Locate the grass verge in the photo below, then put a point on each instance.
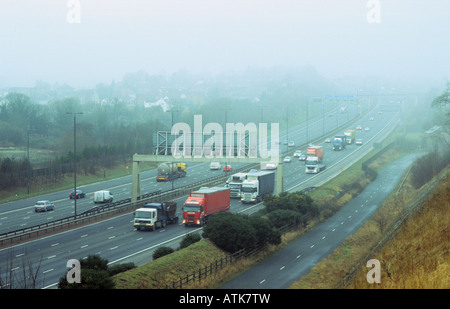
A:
(414, 250)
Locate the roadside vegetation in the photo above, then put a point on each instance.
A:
(419, 256)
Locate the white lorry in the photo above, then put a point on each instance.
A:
(257, 186)
(235, 184)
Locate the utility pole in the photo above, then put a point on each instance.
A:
(75, 158)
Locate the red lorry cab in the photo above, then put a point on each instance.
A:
(203, 203)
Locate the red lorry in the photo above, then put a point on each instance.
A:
(205, 202)
(316, 151)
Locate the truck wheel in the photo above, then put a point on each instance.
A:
(164, 223)
(154, 227)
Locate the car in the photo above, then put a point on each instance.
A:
(359, 141)
(291, 144)
(371, 118)
(78, 194)
(302, 157)
(215, 166)
(297, 153)
(287, 159)
(367, 129)
(227, 168)
(328, 140)
(44, 206)
(271, 166)
(359, 127)
(380, 112)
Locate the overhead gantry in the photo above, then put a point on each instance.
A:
(138, 158)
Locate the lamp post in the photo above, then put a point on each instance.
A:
(75, 158)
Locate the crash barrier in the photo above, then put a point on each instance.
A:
(110, 208)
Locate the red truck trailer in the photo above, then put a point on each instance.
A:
(205, 202)
(316, 151)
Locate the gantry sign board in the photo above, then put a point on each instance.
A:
(210, 142)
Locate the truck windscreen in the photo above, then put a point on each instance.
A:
(143, 214)
(248, 189)
(190, 207)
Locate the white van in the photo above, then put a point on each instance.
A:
(103, 197)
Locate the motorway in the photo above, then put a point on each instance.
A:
(116, 240)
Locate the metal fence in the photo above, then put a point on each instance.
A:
(203, 272)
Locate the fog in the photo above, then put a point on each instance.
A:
(86, 42)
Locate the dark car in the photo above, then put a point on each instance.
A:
(78, 194)
(302, 157)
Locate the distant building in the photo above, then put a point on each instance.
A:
(161, 102)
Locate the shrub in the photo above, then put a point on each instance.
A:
(296, 201)
(281, 217)
(190, 239)
(118, 268)
(94, 274)
(162, 251)
(230, 232)
(265, 231)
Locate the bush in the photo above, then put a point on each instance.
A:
(162, 251)
(296, 201)
(233, 232)
(119, 268)
(94, 274)
(265, 231)
(282, 217)
(189, 239)
(230, 232)
(428, 166)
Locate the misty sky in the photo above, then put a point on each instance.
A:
(39, 39)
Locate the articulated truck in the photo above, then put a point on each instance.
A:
(257, 186)
(205, 202)
(235, 184)
(351, 134)
(155, 215)
(169, 171)
(339, 142)
(313, 163)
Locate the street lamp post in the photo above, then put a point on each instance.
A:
(75, 158)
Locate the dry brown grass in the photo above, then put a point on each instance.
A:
(418, 258)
